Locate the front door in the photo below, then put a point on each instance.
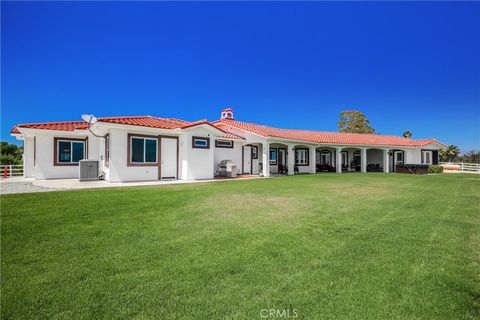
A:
(168, 162)
(427, 157)
(397, 158)
(247, 159)
(282, 159)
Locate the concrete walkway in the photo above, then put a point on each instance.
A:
(23, 185)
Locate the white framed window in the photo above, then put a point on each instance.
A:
(427, 157)
(273, 156)
(254, 152)
(69, 152)
(143, 150)
(223, 144)
(398, 157)
(301, 157)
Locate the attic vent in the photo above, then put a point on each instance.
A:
(227, 114)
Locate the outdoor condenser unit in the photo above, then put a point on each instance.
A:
(88, 170)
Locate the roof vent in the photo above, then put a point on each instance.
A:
(227, 114)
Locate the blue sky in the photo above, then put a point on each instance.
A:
(408, 66)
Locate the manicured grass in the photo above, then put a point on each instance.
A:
(323, 246)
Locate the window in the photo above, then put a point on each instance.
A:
(254, 152)
(143, 150)
(223, 144)
(398, 157)
(200, 143)
(273, 156)
(301, 157)
(69, 151)
(325, 157)
(426, 157)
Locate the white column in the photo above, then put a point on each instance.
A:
(386, 161)
(266, 159)
(291, 159)
(338, 160)
(312, 160)
(363, 160)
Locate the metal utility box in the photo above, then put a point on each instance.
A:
(228, 169)
(88, 170)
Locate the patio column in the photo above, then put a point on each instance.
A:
(386, 161)
(312, 159)
(338, 160)
(266, 159)
(291, 159)
(363, 159)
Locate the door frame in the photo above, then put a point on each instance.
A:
(422, 156)
(160, 155)
(243, 158)
(285, 158)
(394, 162)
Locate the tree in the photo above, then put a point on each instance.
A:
(449, 154)
(354, 121)
(407, 134)
(10, 153)
(472, 156)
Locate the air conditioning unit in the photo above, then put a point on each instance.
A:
(88, 170)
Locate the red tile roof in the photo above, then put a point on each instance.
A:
(196, 123)
(323, 137)
(61, 125)
(204, 122)
(14, 130)
(229, 135)
(265, 131)
(144, 121)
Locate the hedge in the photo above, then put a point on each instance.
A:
(435, 169)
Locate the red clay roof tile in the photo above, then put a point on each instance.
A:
(323, 137)
(144, 121)
(265, 131)
(60, 125)
(14, 130)
(229, 135)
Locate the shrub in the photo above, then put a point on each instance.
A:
(435, 169)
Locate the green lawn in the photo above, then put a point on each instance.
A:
(321, 246)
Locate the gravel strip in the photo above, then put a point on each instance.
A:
(23, 187)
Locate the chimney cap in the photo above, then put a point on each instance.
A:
(227, 113)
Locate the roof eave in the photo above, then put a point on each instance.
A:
(205, 125)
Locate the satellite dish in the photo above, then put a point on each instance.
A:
(90, 118)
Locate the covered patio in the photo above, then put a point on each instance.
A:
(289, 158)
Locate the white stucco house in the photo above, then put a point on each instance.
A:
(142, 148)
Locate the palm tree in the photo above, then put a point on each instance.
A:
(407, 134)
(450, 153)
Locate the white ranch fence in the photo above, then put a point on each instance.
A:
(11, 170)
(460, 167)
